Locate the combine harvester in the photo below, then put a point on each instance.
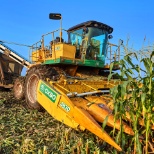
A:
(69, 79)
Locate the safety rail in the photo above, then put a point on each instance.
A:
(114, 54)
(42, 45)
(35, 46)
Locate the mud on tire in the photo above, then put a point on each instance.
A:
(18, 88)
(32, 79)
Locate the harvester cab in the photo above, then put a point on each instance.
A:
(91, 39)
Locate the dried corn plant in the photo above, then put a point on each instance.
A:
(25, 131)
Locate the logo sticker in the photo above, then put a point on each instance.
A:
(57, 48)
(48, 92)
(65, 107)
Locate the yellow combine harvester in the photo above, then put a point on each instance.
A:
(69, 79)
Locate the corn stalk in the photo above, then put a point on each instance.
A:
(134, 100)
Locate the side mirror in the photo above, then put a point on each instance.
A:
(110, 36)
(55, 16)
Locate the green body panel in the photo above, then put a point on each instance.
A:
(86, 62)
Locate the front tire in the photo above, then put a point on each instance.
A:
(31, 83)
(33, 76)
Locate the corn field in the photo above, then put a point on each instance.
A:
(25, 131)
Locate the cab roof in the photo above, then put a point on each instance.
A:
(92, 23)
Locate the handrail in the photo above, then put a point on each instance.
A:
(116, 54)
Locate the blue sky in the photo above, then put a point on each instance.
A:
(25, 21)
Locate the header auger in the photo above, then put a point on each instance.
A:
(69, 79)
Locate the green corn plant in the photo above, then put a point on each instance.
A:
(134, 101)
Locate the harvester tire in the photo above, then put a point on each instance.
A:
(18, 88)
(33, 76)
